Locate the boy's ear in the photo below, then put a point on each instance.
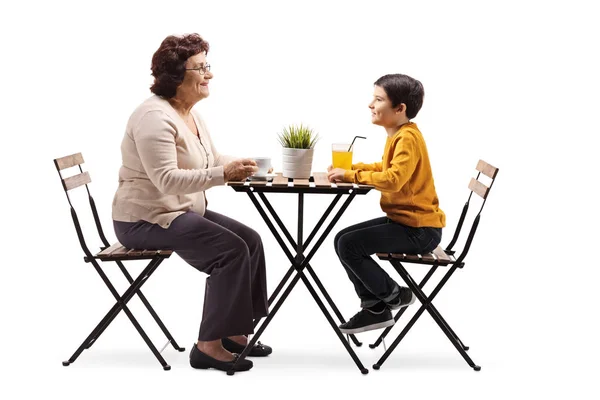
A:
(401, 108)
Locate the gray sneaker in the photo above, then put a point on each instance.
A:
(365, 320)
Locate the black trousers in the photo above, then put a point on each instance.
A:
(230, 252)
(355, 245)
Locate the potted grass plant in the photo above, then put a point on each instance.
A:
(297, 142)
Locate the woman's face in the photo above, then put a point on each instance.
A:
(196, 78)
(382, 112)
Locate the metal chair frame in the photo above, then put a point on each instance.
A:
(438, 258)
(118, 254)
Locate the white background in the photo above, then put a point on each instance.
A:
(512, 82)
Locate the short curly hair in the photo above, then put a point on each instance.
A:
(168, 62)
(403, 89)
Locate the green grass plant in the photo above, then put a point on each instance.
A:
(298, 137)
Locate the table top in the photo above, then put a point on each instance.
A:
(317, 183)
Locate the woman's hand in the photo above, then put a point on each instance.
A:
(238, 170)
(335, 174)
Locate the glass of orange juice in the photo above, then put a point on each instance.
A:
(341, 157)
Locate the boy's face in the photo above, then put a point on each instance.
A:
(382, 112)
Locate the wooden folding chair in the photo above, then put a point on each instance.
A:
(438, 258)
(118, 254)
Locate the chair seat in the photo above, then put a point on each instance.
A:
(437, 256)
(119, 252)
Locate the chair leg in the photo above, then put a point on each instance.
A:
(156, 353)
(111, 315)
(93, 335)
(452, 336)
(427, 305)
(401, 311)
(395, 343)
(114, 311)
(150, 309)
(466, 348)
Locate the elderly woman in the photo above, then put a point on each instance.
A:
(169, 161)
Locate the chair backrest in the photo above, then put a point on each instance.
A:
(482, 190)
(73, 182)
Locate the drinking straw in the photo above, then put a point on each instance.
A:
(349, 148)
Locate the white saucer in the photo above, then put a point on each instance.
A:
(261, 177)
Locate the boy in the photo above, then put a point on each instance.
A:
(413, 222)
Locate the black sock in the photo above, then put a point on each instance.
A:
(377, 308)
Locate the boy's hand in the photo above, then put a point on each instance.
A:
(329, 168)
(336, 175)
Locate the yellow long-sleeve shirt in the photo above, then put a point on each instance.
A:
(405, 180)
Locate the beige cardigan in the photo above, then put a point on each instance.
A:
(166, 169)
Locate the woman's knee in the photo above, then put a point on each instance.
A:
(254, 239)
(237, 247)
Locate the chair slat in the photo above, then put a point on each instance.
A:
(151, 252)
(321, 179)
(479, 188)
(109, 250)
(412, 257)
(487, 169)
(120, 252)
(399, 256)
(76, 180)
(134, 253)
(437, 255)
(429, 257)
(68, 161)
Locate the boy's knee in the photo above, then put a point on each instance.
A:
(336, 241)
(346, 246)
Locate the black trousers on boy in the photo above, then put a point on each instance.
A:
(355, 245)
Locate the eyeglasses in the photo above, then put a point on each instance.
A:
(201, 69)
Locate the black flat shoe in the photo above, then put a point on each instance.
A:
(259, 349)
(201, 360)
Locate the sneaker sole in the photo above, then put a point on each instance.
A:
(412, 300)
(379, 325)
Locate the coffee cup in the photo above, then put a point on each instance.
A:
(263, 164)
